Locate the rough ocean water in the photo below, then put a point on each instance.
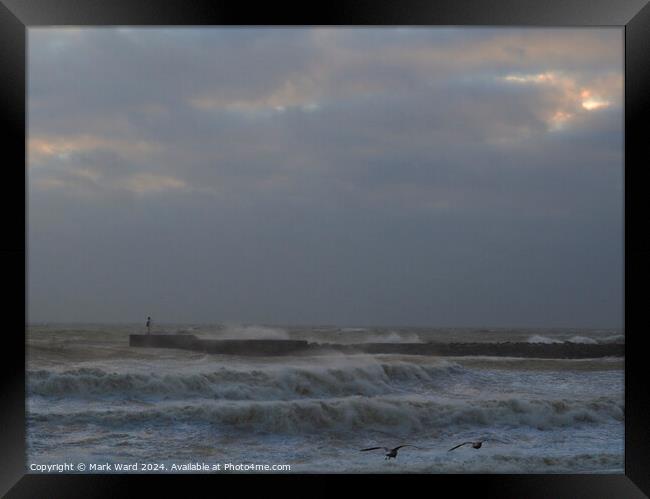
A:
(91, 398)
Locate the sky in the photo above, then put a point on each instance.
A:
(442, 177)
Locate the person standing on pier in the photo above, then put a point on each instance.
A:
(148, 325)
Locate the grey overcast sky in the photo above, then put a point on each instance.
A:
(394, 176)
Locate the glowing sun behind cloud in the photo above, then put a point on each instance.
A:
(591, 103)
(574, 97)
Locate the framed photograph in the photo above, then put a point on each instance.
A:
(384, 241)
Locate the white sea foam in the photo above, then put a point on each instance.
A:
(586, 340)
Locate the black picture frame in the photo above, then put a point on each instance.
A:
(632, 15)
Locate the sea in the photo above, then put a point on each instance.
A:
(93, 399)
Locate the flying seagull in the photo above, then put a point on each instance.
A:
(389, 452)
(475, 445)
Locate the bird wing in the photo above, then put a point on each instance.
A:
(374, 448)
(406, 445)
(459, 445)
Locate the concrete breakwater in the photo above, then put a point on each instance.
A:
(564, 350)
(233, 347)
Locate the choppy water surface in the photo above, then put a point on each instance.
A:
(93, 398)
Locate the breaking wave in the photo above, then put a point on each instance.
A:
(235, 384)
(618, 338)
(405, 414)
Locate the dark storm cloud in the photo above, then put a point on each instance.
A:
(375, 176)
